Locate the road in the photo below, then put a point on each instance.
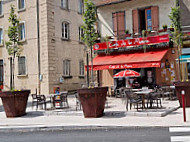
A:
(130, 134)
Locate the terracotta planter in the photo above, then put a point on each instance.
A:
(186, 87)
(93, 101)
(15, 102)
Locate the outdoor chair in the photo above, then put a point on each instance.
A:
(78, 103)
(41, 100)
(132, 99)
(61, 99)
(34, 99)
(168, 92)
(154, 98)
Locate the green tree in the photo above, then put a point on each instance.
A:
(89, 36)
(13, 46)
(177, 36)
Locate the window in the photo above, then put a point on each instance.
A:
(1, 72)
(65, 30)
(119, 23)
(81, 34)
(22, 31)
(66, 68)
(1, 36)
(145, 19)
(21, 4)
(81, 68)
(81, 6)
(1, 8)
(64, 4)
(21, 65)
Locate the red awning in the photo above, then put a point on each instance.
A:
(126, 61)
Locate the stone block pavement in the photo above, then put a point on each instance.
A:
(115, 116)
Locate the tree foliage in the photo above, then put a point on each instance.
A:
(89, 18)
(175, 20)
(13, 46)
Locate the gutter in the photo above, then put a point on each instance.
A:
(111, 3)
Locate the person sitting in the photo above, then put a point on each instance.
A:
(135, 84)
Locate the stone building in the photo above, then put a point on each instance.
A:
(53, 54)
(146, 47)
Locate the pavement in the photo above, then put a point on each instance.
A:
(169, 115)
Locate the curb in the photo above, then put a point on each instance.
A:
(43, 128)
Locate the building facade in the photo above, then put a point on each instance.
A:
(140, 42)
(53, 54)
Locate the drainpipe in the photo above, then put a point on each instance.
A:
(38, 46)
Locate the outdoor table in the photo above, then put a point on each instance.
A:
(143, 93)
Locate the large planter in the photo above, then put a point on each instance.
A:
(186, 87)
(93, 101)
(15, 102)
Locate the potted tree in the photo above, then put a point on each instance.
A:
(14, 101)
(177, 38)
(92, 98)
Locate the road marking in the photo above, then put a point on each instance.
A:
(179, 129)
(180, 138)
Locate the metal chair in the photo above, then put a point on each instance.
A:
(41, 100)
(78, 103)
(132, 99)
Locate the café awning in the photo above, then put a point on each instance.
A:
(127, 61)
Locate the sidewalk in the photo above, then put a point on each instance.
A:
(115, 116)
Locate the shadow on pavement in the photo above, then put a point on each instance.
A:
(114, 114)
(32, 114)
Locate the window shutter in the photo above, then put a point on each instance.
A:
(114, 18)
(155, 18)
(135, 21)
(121, 23)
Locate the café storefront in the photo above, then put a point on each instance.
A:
(154, 57)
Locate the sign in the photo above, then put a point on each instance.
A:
(132, 42)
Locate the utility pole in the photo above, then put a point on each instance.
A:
(38, 46)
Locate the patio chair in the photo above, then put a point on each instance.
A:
(132, 99)
(154, 98)
(41, 100)
(34, 99)
(78, 103)
(60, 100)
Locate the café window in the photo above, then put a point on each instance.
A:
(81, 34)
(145, 19)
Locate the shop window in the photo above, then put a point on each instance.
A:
(145, 19)
(119, 23)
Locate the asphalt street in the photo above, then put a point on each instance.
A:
(130, 134)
